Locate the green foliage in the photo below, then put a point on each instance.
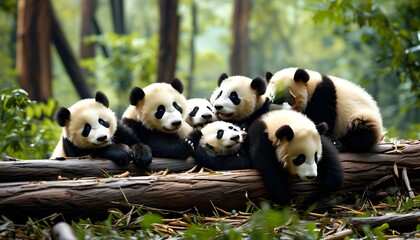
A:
(389, 30)
(28, 131)
(132, 62)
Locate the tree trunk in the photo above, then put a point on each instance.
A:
(239, 55)
(168, 40)
(43, 170)
(33, 48)
(87, 50)
(117, 8)
(192, 48)
(368, 173)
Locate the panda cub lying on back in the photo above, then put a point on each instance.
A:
(219, 146)
(286, 143)
(91, 128)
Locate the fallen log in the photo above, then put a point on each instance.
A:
(364, 173)
(47, 169)
(32, 170)
(92, 197)
(395, 221)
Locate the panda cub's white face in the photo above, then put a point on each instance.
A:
(234, 100)
(91, 125)
(222, 137)
(199, 112)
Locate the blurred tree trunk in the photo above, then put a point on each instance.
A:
(88, 14)
(168, 40)
(33, 60)
(239, 56)
(69, 60)
(192, 48)
(117, 8)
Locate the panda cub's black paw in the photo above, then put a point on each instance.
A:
(142, 154)
(190, 144)
(118, 153)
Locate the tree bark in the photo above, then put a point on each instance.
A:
(117, 7)
(168, 40)
(87, 50)
(33, 48)
(44, 170)
(239, 55)
(396, 221)
(365, 173)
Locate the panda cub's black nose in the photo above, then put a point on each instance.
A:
(206, 116)
(101, 139)
(176, 123)
(311, 177)
(235, 138)
(218, 107)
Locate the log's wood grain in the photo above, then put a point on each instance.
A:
(34, 170)
(92, 197)
(365, 174)
(395, 221)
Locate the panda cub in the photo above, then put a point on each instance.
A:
(199, 112)
(352, 115)
(240, 100)
(156, 115)
(285, 143)
(91, 128)
(219, 146)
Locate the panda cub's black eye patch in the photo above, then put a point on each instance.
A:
(177, 107)
(299, 160)
(234, 98)
(193, 112)
(220, 94)
(160, 111)
(86, 130)
(220, 134)
(103, 123)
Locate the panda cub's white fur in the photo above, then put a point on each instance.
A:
(199, 112)
(222, 137)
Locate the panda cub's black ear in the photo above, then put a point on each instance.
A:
(136, 95)
(101, 98)
(322, 128)
(63, 115)
(301, 75)
(285, 131)
(268, 76)
(222, 77)
(259, 85)
(177, 84)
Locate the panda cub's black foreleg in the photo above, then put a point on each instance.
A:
(169, 146)
(330, 167)
(141, 153)
(118, 153)
(264, 160)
